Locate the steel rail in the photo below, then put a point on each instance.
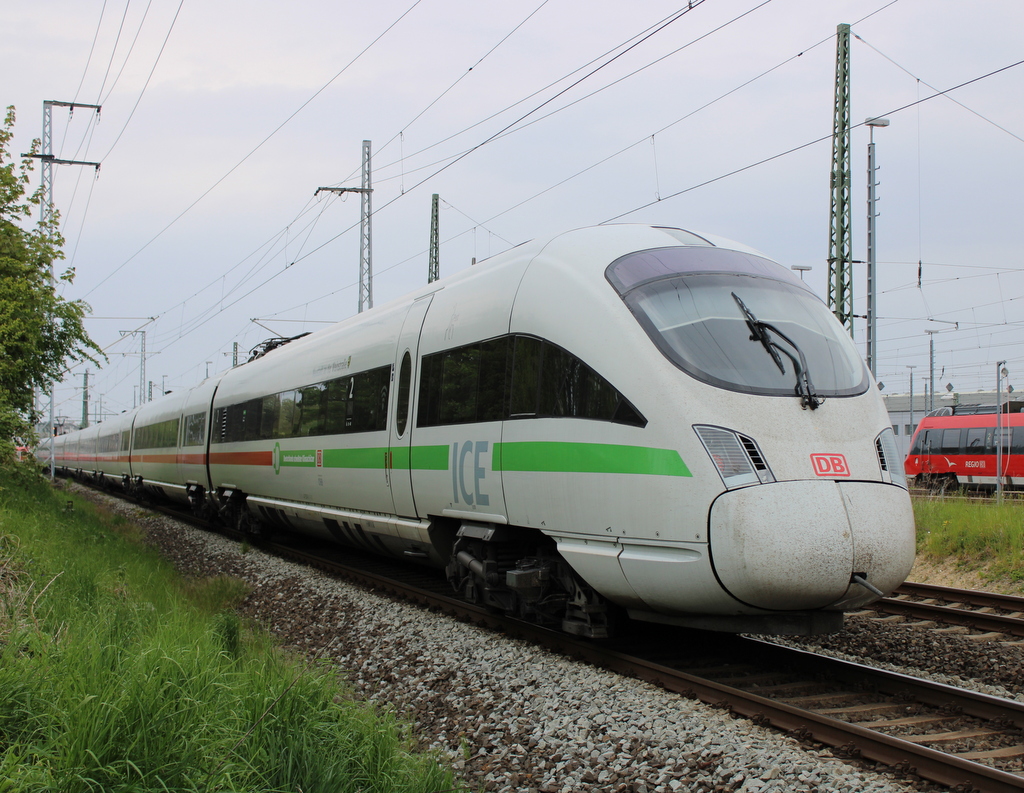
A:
(1009, 624)
(996, 623)
(973, 597)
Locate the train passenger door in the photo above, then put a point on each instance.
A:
(400, 436)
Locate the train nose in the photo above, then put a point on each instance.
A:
(796, 545)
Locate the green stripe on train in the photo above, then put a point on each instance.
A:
(596, 458)
(430, 458)
(538, 456)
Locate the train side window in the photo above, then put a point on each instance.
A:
(385, 375)
(950, 442)
(559, 383)
(1017, 446)
(250, 420)
(251, 412)
(269, 414)
(335, 397)
(975, 440)
(570, 388)
(163, 434)
(287, 413)
(404, 383)
(233, 424)
(368, 400)
(194, 431)
(460, 379)
(923, 442)
(515, 377)
(525, 376)
(310, 410)
(465, 384)
(495, 363)
(430, 390)
(218, 432)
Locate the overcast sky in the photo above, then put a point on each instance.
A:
(528, 117)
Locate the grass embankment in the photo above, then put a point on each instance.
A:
(974, 536)
(116, 676)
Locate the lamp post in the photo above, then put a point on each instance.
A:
(911, 367)
(931, 368)
(800, 268)
(872, 334)
(1001, 372)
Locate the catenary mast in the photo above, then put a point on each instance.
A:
(840, 275)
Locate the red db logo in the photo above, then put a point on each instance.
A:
(830, 465)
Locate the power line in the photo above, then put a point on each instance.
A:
(146, 84)
(252, 151)
(465, 74)
(518, 102)
(92, 47)
(673, 18)
(706, 182)
(632, 42)
(932, 87)
(131, 49)
(113, 51)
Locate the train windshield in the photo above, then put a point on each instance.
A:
(739, 322)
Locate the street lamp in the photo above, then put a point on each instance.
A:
(872, 332)
(931, 368)
(911, 367)
(800, 268)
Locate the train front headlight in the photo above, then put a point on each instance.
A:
(889, 460)
(736, 457)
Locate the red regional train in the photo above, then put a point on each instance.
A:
(956, 447)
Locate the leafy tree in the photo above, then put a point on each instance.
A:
(41, 333)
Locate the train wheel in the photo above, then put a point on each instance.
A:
(252, 526)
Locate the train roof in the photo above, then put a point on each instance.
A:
(612, 241)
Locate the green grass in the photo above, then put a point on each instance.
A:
(973, 534)
(117, 676)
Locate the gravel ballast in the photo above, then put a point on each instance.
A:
(507, 715)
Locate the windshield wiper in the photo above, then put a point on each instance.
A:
(761, 331)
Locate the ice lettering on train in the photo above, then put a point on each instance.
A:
(461, 453)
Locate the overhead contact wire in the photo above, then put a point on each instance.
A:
(674, 18)
(254, 150)
(810, 143)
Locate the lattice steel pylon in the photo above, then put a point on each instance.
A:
(840, 258)
(46, 210)
(366, 236)
(365, 230)
(434, 257)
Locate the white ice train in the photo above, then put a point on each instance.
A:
(619, 418)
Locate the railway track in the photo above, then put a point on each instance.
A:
(990, 615)
(953, 737)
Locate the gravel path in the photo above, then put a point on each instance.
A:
(509, 716)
